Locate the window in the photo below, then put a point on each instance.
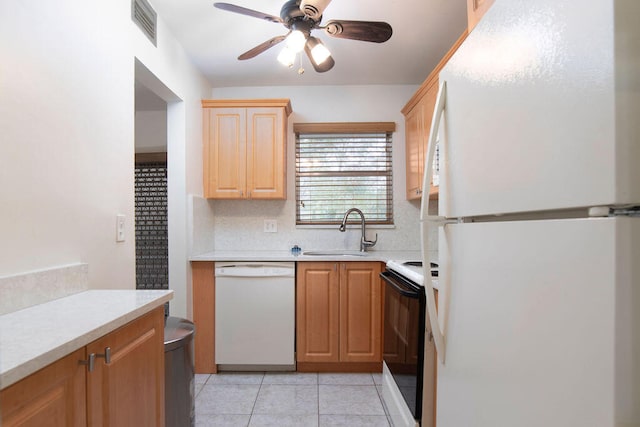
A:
(341, 166)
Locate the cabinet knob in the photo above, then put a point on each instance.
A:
(90, 362)
(418, 191)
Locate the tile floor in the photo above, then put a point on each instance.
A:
(289, 399)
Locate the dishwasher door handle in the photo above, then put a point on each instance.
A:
(255, 270)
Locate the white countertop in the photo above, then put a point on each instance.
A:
(34, 337)
(382, 256)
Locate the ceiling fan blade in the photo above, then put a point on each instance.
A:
(368, 31)
(262, 47)
(314, 8)
(249, 12)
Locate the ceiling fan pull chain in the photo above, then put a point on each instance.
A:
(301, 69)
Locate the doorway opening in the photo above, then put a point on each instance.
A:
(160, 121)
(151, 197)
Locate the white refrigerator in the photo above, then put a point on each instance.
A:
(538, 125)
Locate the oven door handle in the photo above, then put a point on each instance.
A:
(401, 290)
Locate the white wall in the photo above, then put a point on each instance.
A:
(66, 115)
(238, 225)
(67, 138)
(151, 131)
(176, 80)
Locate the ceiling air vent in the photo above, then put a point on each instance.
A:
(145, 17)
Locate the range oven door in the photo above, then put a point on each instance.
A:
(404, 334)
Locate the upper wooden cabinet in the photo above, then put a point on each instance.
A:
(418, 113)
(417, 126)
(339, 313)
(475, 10)
(245, 148)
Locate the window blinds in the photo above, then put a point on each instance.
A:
(338, 171)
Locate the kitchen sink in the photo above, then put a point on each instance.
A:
(335, 253)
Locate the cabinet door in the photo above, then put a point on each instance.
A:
(418, 115)
(266, 153)
(414, 129)
(225, 146)
(317, 313)
(204, 315)
(360, 312)
(129, 390)
(54, 396)
(417, 127)
(429, 106)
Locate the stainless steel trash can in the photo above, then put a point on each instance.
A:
(179, 384)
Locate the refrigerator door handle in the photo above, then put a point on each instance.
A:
(439, 221)
(427, 221)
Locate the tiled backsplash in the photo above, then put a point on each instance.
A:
(237, 225)
(36, 287)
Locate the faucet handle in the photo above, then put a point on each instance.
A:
(369, 243)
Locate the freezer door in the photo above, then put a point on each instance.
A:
(543, 100)
(541, 321)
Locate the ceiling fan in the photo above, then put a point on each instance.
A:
(300, 17)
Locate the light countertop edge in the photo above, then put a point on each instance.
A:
(287, 256)
(37, 336)
(250, 256)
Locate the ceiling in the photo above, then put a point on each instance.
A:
(423, 31)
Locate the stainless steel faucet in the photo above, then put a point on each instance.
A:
(364, 243)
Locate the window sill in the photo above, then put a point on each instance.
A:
(349, 226)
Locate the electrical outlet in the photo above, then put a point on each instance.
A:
(270, 226)
(120, 228)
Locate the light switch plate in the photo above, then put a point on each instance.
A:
(270, 226)
(120, 221)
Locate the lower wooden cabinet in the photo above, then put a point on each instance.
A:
(339, 316)
(129, 390)
(204, 316)
(53, 396)
(126, 391)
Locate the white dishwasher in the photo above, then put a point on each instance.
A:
(255, 316)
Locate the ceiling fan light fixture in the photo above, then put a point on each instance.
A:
(287, 57)
(301, 17)
(319, 55)
(296, 41)
(319, 51)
